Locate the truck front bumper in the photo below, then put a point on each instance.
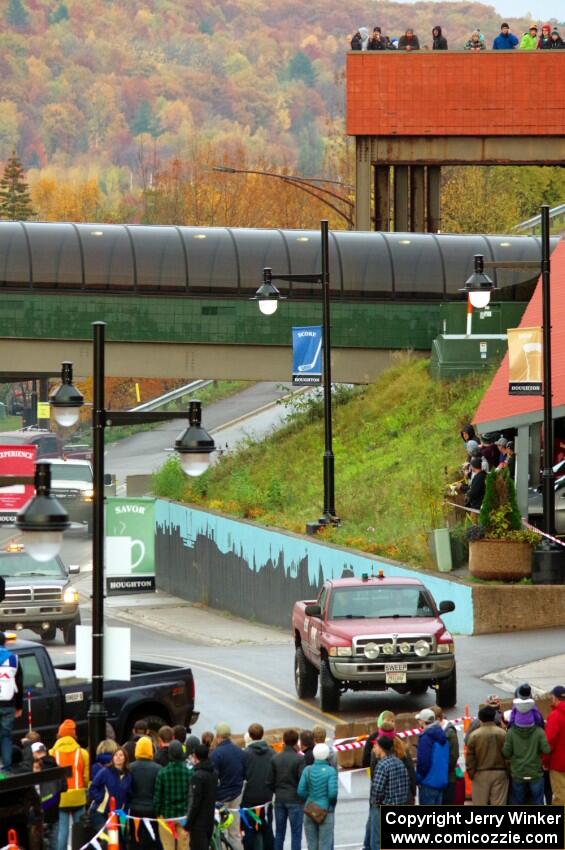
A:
(32, 616)
(431, 668)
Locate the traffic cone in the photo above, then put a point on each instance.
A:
(12, 840)
(113, 827)
(466, 724)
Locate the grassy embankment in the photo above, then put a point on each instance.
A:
(396, 442)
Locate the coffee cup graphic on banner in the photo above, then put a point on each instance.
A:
(123, 555)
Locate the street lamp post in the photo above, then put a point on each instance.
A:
(549, 557)
(194, 446)
(310, 185)
(268, 297)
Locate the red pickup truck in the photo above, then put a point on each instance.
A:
(371, 634)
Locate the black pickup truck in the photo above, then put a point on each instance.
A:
(156, 691)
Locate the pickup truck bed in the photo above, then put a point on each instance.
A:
(160, 691)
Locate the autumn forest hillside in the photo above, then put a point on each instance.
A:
(105, 94)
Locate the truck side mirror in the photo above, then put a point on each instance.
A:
(108, 479)
(74, 569)
(313, 611)
(446, 606)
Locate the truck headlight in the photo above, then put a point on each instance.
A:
(70, 595)
(87, 496)
(422, 648)
(341, 651)
(371, 650)
(404, 647)
(445, 648)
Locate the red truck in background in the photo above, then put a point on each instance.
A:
(370, 634)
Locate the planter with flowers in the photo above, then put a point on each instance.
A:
(500, 548)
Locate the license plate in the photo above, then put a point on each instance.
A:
(395, 678)
(395, 674)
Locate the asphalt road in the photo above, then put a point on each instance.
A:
(242, 683)
(144, 453)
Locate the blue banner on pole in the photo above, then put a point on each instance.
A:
(307, 355)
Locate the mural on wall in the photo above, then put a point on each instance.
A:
(258, 573)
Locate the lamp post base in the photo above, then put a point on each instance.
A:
(327, 519)
(548, 565)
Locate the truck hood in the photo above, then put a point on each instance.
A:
(349, 629)
(36, 581)
(58, 484)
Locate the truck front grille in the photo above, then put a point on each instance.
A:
(19, 595)
(394, 641)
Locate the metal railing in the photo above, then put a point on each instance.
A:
(532, 225)
(173, 395)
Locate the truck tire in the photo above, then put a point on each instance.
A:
(329, 689)
(447, 691)
(50, 634)
(305, 676)
(70, 631)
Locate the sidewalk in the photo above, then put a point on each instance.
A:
(542, 675)
(175, 617)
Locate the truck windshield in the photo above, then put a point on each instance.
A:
(22, 565)
(350, 603)
(71, 472)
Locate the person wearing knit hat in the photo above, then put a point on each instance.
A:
(525, 744)
(144, 772)
(505, 40)
(544, 42)
(556, 42)
(529, 40)
(523, 705)
(67, 752)
(171, 795)
(318, 788)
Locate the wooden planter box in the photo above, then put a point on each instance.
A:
(500, 560)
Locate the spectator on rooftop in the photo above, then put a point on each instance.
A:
(505, 40)
(360, 40)
(378, 41)
(439, 40)
(545, 39)
(474, 43)
(529, 40)
(557, 42)
(408, 41)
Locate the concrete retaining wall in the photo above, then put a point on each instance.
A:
(518, 607)
(259, 573)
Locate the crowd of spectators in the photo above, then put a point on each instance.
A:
(545, 38)
(175, 788)
(484, 453)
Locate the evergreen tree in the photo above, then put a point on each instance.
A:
(300, 68)
(16, 14)
(15, 200)
(61, 13)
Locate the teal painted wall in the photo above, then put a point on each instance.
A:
(259, 572)
(212, 320)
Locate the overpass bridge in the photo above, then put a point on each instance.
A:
(176, 299)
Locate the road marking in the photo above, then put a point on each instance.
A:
(275, 690)
(256, 686)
